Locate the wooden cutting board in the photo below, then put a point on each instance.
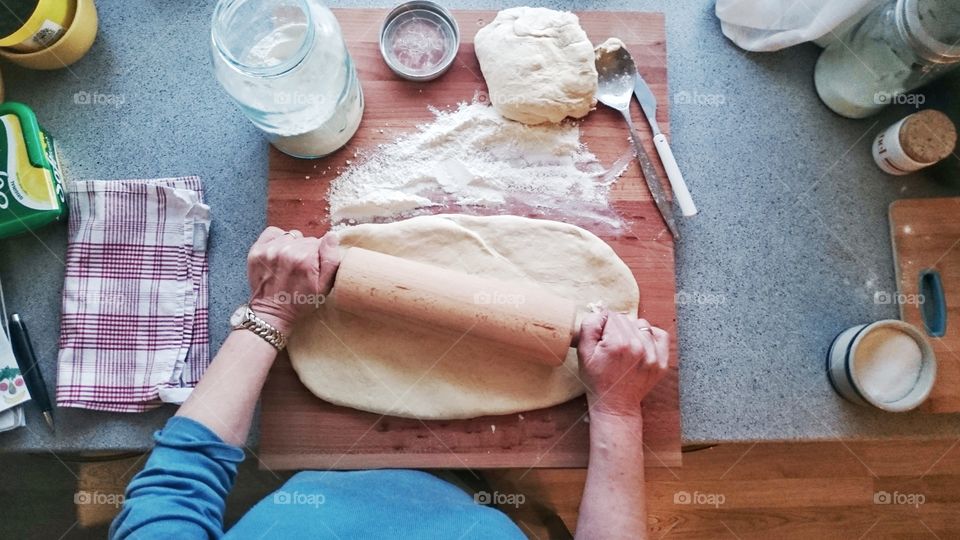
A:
(926, 236)
(298, 430)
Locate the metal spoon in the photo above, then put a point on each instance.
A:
(617, 75)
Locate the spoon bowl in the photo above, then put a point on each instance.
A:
(616, 75)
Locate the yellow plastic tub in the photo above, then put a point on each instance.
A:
(41, 28)
(75, 41)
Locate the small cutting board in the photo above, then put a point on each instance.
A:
(926, 240)
(299, 430)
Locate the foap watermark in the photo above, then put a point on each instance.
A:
(501, 99)
(500, 499)
(896, 98)
(905, 499)
(699, 498)
(300, 299)
(886, 298)
(693, 298)
(100, 498)
(96, 98)
(298, 98)
(696, 98)
(498, 298)
(295, 497)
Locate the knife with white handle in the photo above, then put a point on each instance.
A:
(648, 102)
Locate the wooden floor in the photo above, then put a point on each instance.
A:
(781, 491)
(796, 490)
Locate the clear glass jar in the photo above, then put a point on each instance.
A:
(284, 62)
(899, 46)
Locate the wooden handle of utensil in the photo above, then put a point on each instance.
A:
(536, 323)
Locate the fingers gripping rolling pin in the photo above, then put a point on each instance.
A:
(539, 325)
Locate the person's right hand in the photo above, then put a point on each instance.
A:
(621, 359)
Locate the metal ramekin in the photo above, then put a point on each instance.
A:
(437, 14)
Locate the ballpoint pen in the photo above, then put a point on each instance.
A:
(27, 360)
(16, 330)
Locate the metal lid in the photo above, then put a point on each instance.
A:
(419, 40)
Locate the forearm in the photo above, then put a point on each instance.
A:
(226, 396)
(181, 490)
(614, 501)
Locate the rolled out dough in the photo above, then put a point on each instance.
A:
(405, 371)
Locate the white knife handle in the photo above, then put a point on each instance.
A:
(680, 191)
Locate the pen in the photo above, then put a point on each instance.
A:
(27, 360)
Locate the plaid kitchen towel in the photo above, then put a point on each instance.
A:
(133, 331)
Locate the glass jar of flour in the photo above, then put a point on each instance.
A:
(901, 45)
(285, 64)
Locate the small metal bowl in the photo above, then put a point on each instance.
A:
(419, 40)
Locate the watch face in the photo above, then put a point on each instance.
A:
(238, 316)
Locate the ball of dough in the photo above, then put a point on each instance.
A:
(538, 64)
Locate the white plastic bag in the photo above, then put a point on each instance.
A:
(771, 25)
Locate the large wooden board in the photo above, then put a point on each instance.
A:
(926, 236)
(298, 430)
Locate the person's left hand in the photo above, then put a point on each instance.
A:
(290, 275)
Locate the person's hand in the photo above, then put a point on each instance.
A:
(621, 359)
(290, 275)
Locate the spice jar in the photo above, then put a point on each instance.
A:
(917, 141)
(901, 45)
(285, 64)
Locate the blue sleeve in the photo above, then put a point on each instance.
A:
(181, 491)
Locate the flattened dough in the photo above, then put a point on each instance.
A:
(400, 371)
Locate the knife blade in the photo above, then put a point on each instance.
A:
(648, 103)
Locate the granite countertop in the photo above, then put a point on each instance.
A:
(789, 248)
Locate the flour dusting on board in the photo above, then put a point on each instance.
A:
(472, 160)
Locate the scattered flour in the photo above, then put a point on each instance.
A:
(472, 160)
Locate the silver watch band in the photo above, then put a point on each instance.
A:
(263, 329)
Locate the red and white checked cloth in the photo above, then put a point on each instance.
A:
(134, 330)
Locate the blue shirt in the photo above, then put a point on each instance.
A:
(180, 494)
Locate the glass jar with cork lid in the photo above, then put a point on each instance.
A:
(915, 142)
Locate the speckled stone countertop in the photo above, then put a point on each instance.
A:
(789, 248)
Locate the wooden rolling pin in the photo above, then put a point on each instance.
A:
(539, 325)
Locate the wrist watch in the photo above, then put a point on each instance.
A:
(245, 319)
